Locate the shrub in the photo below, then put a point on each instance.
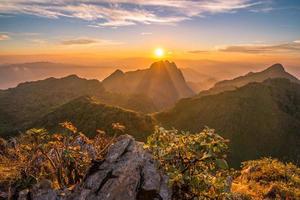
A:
(62, 158)
(195, 163)
(268, 178)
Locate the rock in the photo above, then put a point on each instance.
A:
(127, 172)
(24, 194)
(41, 191)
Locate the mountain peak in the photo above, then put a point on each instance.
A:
(162, 64)
(163, 83)
(118, 72)
(72, 76)
(276, 67)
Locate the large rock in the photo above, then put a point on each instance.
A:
(127, 172)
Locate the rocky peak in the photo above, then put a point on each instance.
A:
(163, 64)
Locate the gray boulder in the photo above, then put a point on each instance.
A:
(127, 172)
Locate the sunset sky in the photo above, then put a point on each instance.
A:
(91, 31)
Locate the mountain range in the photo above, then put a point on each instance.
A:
(30, 101)
(259, 112)
(260, 119)
(13, 74)
(161, 86)
(274, 71)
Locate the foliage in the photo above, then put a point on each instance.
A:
(195, 163)
(62, 158)
(268, 179)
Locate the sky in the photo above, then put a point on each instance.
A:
(258, 32)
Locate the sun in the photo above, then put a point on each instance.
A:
(159, 52)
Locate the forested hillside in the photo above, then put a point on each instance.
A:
(260, 119)
(90, 116)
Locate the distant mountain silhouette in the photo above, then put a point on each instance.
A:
(275, 71)
(202, 85)
(29, 101)
(13, 74)
(89, 115)
(260, 119)
(163, 82)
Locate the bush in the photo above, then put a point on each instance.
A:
(268, 179)
(195, 163)
(62, 158)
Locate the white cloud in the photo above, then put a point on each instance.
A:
(126, 12)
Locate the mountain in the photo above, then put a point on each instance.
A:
(13, 74)
(274, 71)
(163, 82)
(203, 85)
(259, 119)
(30, 101)
(89, 115)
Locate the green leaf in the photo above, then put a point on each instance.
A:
(221, 163)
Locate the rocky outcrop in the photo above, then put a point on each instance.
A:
(127, 172)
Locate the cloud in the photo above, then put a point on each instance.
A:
(78, 41)
(264, 48)
(146, 33)
(114, 13)
(88, 41)
(198, 51)
(4, 37)
(256, 48)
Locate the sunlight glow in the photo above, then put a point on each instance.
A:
(159, 52)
